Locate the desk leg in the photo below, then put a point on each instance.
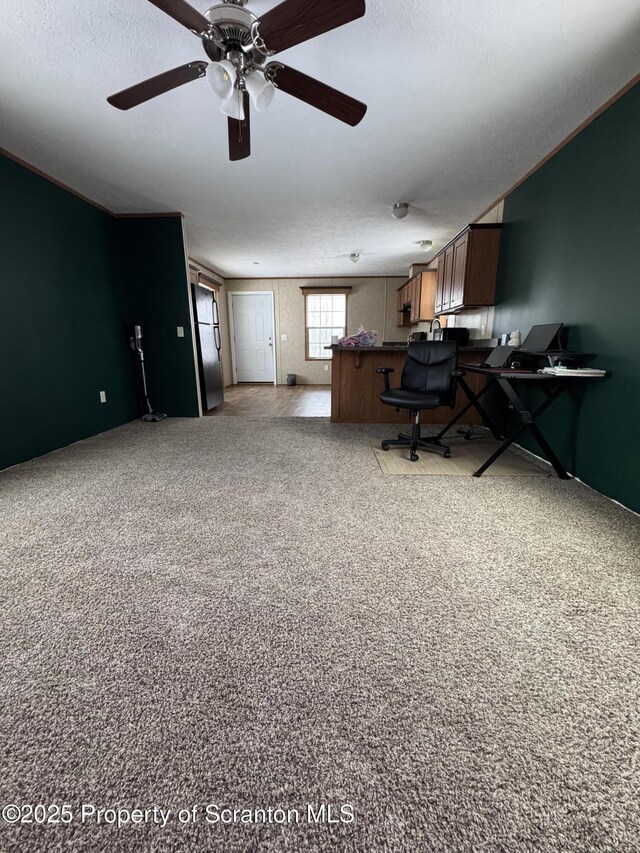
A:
(473, 402)
(498, 453)
(528, 421)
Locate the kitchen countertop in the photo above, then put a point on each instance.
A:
(480, 347)
(356, 387)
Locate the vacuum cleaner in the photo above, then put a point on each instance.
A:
(135, 342)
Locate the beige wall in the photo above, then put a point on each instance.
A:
(372, 303)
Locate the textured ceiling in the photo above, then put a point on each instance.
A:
(464, 97)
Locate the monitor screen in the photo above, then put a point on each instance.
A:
(540, 338)
(499, 356)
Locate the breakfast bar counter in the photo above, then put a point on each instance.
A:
(355, 385)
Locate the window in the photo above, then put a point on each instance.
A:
(325, 316)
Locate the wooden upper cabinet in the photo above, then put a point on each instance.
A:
(459, 271)
(427, 294)
(467, 269)
(420, 292)
(447, 279)
(403, 316)
(414, 298)
(439, 285)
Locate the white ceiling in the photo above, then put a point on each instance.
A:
(464, 97)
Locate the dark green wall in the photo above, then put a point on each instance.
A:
(153, 268)
(66, 292)
(60, 319)
(571, 253)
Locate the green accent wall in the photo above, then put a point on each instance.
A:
(70, 281)
(571, 253)
(154, 272)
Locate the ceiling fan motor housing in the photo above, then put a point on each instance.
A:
(233, 23)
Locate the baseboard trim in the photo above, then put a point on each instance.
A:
(577, 479)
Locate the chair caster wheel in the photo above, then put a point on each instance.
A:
(447, 454)
(414, 457)
(384, 445)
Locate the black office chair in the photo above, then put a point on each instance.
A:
(429, 381)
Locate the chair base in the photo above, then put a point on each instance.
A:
(415, 441)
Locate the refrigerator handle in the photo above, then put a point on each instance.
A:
(216, 338)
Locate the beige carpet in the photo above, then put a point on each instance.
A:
(248, 614)
(466, 457)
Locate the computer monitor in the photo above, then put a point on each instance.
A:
(542, 338)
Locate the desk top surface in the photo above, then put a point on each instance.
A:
(510, 373)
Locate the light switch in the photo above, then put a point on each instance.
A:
(283, 337)
(181, 331)
(103, 396)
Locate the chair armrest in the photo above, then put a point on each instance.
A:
(385, 371)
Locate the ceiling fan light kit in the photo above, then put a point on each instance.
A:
(239, 46)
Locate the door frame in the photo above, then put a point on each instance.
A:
(230, 295)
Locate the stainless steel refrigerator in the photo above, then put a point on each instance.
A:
(208, 344)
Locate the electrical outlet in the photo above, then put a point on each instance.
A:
(283, 338)
(326, 367)
(103, 396)
(181, 331)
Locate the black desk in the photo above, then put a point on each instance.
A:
(506, 379)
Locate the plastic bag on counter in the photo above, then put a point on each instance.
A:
(362, 338)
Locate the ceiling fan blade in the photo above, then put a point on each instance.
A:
(184, 14)
(148, 89)
(240, 134)
(295, 21)
(315, 93)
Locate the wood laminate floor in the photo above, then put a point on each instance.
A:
(275, 401)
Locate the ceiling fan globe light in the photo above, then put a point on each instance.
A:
(261, 91)
(222, 77)
(400, 210)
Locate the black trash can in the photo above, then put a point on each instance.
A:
(291, 378)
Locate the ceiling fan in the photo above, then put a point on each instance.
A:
(239, 46)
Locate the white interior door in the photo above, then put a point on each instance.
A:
(253, 336)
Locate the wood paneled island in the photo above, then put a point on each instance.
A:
(355, 386)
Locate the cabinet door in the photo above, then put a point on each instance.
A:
(439, 285)
(459, 268)
(448, 279)
(415, 300)
(427, 295)
(403, 318)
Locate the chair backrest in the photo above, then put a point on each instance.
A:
(429, 368)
